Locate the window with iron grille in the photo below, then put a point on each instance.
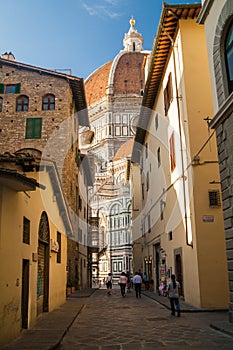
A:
(214, 199)
(26, 230)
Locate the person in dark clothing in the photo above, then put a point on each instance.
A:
(137, 281)
(173, 292)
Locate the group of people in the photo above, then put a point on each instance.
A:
(125, 283)
(173, 288)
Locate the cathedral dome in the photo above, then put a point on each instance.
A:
(125, 151)
(122, 76)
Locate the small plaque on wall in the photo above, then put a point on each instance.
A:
(208, 218)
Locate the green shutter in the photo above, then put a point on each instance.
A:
(29, 128)
(37, 128)
(33, 128)
(1, 88)
(17, 88)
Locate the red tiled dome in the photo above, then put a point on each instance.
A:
(125, 150)
(127, 76)
(96, 83)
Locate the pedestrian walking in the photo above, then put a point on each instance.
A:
(109, 283)
(122, 283)
(137, 281)
(173, 292)
(128, 281)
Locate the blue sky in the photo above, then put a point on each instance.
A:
(80, 35)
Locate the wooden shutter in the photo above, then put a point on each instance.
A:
(37, 128)
(33, 128)
(1, 88)
(17, 88)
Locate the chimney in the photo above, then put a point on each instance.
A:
(8, 56)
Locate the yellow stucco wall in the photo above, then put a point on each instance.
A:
(205, 282)
(14, 206)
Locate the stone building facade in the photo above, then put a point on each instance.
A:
(37, 112)
(218, 20)
(41, 112)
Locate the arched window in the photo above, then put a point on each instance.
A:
(229, 56)
(22, 103)
(1, 100)
(48, 102)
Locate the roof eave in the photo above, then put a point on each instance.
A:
(171, 14)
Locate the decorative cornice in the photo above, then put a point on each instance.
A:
(223, 113)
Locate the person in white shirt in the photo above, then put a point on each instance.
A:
(122, 283)
(137, 281)
(173, 291)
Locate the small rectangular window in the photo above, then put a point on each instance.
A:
(172, 152)
(33, 128)
(59, 251)
(80, 236)
(168, 94)
(146, 150)
(117, 118)
(147, 181)
(161, 209)
(12, 88)
(117, 131)
(26, 230)
(170, 235)
(149, 223)
(143, 195)
(79, 203)
(214, 199)
(156, 121)
(125, 130)
(159, 157)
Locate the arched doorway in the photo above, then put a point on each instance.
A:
(43, 265)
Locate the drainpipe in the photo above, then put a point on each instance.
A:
(180, 136)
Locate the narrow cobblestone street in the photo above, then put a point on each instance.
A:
(115, 322)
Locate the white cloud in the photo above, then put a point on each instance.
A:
(105, 8)
(112, 2)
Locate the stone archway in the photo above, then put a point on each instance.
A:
(218, 55)
(43, 265)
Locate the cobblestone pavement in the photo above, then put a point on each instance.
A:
(115, 322)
